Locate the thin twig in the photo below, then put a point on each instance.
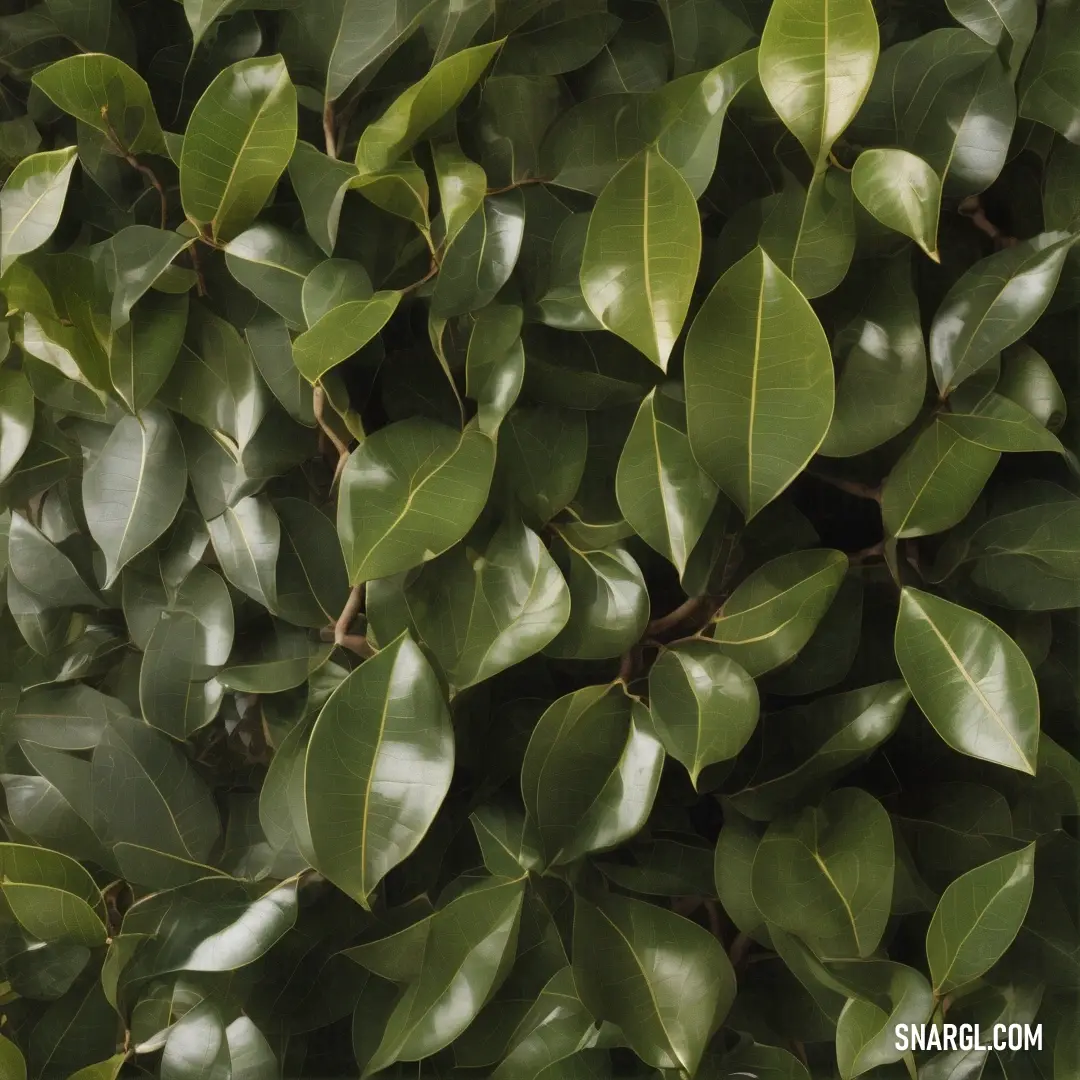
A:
(852, 487)
(200, 281)
(674, 618)
(349, 612)
(713, 914)
(434, 269)
(318, 405)
(740, 949)
(328, 129)
(626, 666)
(355, 643)
(972, 209)
(134, 162)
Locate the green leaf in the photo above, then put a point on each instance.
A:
(273, 265)
(134, 487)
(145, 348)
(805, 745)
(11, 1059)
(993, 304)
(773, 613)
(662, 978)
(759, 383)
(247, 540)
(237, 144)
(495, 364)
(902, 192)
(462, 186)
(425, 103)
(103, 92)
(977, 918)
(196, 1048)
(661, 490)
(332, 283)
(1027, 379)
(320, 183)
(609, 604)
(131, 261)
(641, 255)
(815, 67)
(309, 559)
(409, 492)
(470, 944)
(1048, 91)
(377, 769)
(970, 679)
(810, 233)
(998, 423)
(341, 332)
(483, 255)
(825, 874)
(882, 377)
(935, 483)
(481, 611)
(44, 569)
(703, 705)
(267, 337)
(16, 419)
(590, 773)
(31, 202)
(764, 1062)
(145, 792)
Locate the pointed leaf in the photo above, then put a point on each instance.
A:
(902, 192)
(998, 423)
(246, 540)
(273, 265)
(662, 978)
(237, 144)
(703, 705)
(16, 419)
(759, 383)
(641, 255)
(378, 768)
(773, 613)
(977, 918)
(409, 492)
(145, 348)
(134, 488)
(970, 679)
(342, 331)
(661, 489)
(815, 65)
(31, 202)
(825, 874)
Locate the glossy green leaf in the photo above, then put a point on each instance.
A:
(815, 66)
(103, 92)
(44, 569)
(11, 1059)
(422, 105)
(663, 979)
(994, 304)
(341, 332)
(641, 255)
(464, 962)
(998, 423)
(331, 283)
(773, 613)
(246, 540)
(273, 264)
(662, 491)
(609, 604)
(134, 488)
(409, 492)
(936, 482)
(703, 705)
(825, 874)
(16, 420)
(462, 186)
(977, 918)
(614, 761)
(31, 202)
(237, 144)
(759, 383)
(380, 759)
(970, 679)
(1048, 90)
(881, 379)
(513, 597)
(145, 348)
(902, 192)
(320, 183)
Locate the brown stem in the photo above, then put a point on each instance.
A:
(971, 208)
(740, 949)
(867, 553)
(852, 487)
(355, 643)
(626, 666)
(318, 405)
(517, 184)
(134, 162)
(713, 914)
(200, 281)
(328, 129)
(426, 278)
(349, 612)
(684, 611)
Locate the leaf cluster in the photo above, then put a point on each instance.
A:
(539, 539)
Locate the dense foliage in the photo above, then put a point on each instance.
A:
(541, 538)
